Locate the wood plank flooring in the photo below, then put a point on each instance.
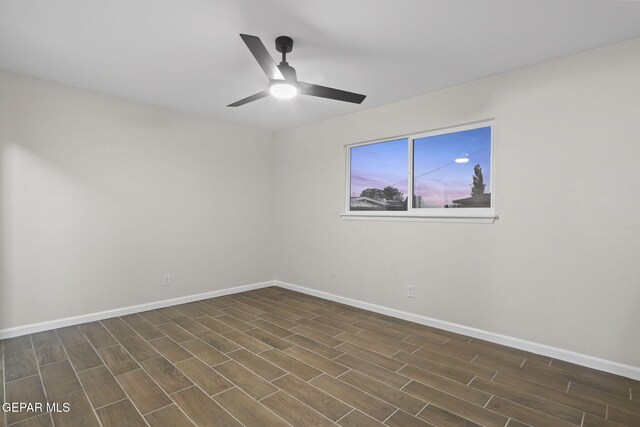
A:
(273, 357)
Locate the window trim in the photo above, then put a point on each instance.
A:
(479, 215)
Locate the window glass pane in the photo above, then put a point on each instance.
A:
(379, 176)
(453, 170)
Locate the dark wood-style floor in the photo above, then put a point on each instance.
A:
(274, 357)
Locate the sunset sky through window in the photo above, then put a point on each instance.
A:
(438, 178)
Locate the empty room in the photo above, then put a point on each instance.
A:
(297, 213)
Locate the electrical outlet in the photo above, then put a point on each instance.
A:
(167, 280)
(410, 291)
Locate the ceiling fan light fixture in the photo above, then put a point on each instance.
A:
(284, 90)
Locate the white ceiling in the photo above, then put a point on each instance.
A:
(187, 55)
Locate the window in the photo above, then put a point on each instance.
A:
(448, 173)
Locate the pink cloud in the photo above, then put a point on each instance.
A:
(434, 192)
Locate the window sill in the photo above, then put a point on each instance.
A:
(469, 219)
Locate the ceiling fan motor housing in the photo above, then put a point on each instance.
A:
(288, 71)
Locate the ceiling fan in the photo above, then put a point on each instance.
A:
(283, 81)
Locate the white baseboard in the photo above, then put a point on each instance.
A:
(553, 352)
(90, 317)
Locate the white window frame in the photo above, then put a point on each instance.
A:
(476, 215)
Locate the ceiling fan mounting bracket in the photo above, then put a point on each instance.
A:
(284, 44)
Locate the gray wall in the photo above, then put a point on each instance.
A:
(101, 196)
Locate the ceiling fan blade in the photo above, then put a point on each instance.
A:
(261, 54)
(331, 93)
(251, 98)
